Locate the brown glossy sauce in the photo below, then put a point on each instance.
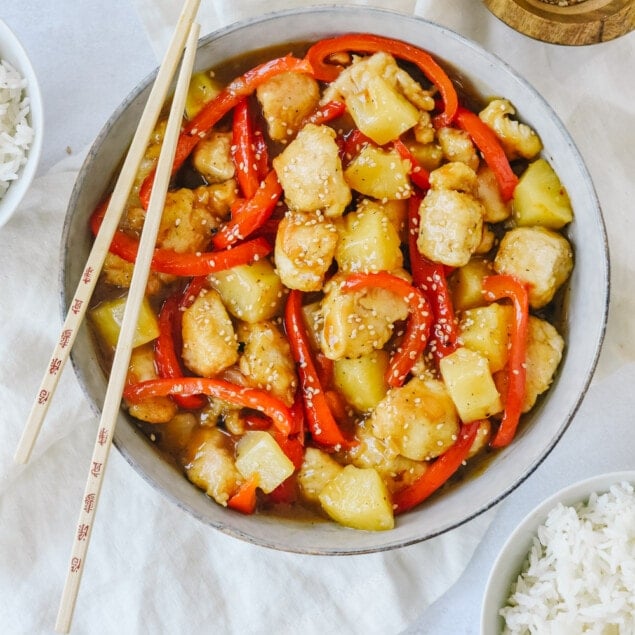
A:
(188, 177)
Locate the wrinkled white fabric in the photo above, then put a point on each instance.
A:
(152, 568)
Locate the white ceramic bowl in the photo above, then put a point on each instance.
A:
(584, 319)
(510, 561)
(13, 52)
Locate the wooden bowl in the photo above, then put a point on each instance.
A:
(587, 22)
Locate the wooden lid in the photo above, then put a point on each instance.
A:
(586, 22)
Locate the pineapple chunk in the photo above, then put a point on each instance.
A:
(379, 174)
(485, 330)
(428, 155)
(252, 292)
(108, 316)
(358, 498)
(469, 382)
(395, 210)
(318, 468)
(362, 380)
(380, 112)
(466, 284)
(258, 453)
(368, 241)
(540, 198)
(202, 89)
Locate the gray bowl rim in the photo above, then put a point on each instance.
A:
(385, 545)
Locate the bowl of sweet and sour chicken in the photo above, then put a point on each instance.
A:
(379, 290)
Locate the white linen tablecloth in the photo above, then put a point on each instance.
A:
(153, 569)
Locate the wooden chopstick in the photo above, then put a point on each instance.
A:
(95, 261)
(121, 359)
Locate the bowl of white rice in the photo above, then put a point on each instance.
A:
(569, 567)
(21, 123)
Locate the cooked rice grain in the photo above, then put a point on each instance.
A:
(580, 572)
(16, 135)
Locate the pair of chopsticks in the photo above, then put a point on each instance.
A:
(182, 48)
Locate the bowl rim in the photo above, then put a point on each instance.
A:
(572, 407)
(19, 58)
(511, 557)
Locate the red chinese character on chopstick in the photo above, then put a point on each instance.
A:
(102, 437)
(65, 337)
(43, 396)
(76, 563)
(88, 275)
(55, 365)
(96, 469)
(82, 531)
(77, 306)
(89, 503)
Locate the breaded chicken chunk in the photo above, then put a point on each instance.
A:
(286, 100)
(540, 257)
(209, 340)
(310, 172)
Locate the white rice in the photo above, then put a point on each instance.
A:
(580, 573)
(16, 135)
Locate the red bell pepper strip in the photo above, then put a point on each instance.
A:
(199, 264)
(244, 499)
(185, 264)
(329, 111)
(417, 327)
(218, 107)
(439, 471)
(293, 448)
(430, 277)
(243, 149)
(487, 142)
(336, 403)
(418, 174)
(192, 291)
(324, 367)
(319, 417)
(251, 214)
(243, 396)
(417, 264)
(320, 52)
(285, 493)
(256, 421)
(165, 350)
(354, 141)
(297, 412)
(497, 288)
(261, 154)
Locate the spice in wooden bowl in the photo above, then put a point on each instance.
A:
(570, 22)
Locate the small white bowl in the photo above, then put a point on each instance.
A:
(512, 557)
(13, 52)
